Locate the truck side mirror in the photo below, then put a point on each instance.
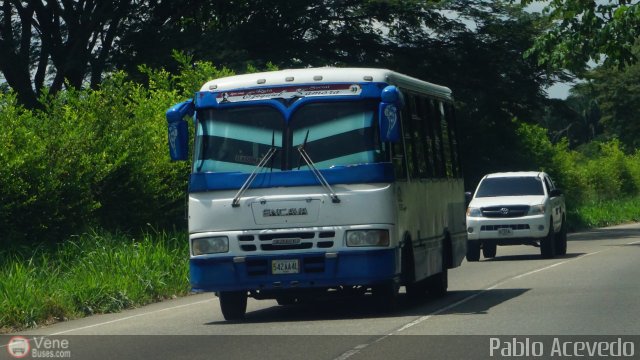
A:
(389, 114)
(556, 192)
(178, 130)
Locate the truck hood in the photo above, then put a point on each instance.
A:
(507, 200)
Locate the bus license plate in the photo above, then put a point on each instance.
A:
(288, 266)
(505, 231)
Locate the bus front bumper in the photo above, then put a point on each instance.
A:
(314, 270)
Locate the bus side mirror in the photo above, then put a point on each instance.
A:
(389, 114)
(179, 130)
(468, 196)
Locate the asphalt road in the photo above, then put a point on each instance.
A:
(515, 301)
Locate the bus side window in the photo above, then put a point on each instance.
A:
(398, 160)
(427, 137)
(417, 129)
(434, 122)
(455, 155)
(446, 142)
(407, 139)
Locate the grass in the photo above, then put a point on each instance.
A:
(89, 274)
(597, 214)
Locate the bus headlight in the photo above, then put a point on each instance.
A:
(210, 245)
(367, 238)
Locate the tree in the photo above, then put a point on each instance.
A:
(584, 30)
(47, 44)
(618, 94)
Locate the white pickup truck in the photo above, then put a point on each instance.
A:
(516, 208)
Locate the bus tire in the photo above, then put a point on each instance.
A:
(489, 248)
(413, 288)
(286, 300)
(438, 284)
(473, 250)
(386, 295)
(233, 304)
(548, 243)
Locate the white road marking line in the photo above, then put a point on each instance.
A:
(131, 317)
(422, 319)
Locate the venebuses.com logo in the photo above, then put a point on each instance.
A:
(38, 347)
(18, 347)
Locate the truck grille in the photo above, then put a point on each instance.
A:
(497, 227)
(507, 211)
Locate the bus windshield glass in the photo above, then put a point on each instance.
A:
(237, 139)
(332, 133)
(510, 186)
(336, 134)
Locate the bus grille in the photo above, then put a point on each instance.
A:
(287, 241)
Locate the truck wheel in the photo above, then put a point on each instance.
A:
(548, 243)
(561, 239)
(233, 304)
(489, 248)
(473, 250)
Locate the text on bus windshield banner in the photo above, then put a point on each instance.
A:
(290, 92)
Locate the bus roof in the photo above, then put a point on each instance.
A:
(325, 75)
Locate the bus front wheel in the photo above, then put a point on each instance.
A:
(386, 295)
(233, 304)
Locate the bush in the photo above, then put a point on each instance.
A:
(598, 173)
(94, 158)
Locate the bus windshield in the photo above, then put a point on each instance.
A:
(236, 139)
(336, 134)
(332, 133)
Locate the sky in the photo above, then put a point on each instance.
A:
(559, 91)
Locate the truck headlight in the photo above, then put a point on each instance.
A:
(474, 212)
(210, 245)
(367, 238)
(536, 209)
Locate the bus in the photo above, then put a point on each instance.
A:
(321, 181)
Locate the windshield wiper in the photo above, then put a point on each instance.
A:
(254, 174)
(321, 179)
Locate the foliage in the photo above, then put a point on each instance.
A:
(93, 157)
(605, 213)
(89, 274)
(65, 41)
(584, 30)
(599, 173)
(617, 93)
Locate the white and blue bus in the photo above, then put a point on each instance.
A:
(321, 181)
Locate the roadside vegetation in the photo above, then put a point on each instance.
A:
(89, 274)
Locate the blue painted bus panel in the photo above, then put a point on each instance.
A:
(349, 268)
(354, 174)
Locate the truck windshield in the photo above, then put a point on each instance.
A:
(336, 134)
(510, 186)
